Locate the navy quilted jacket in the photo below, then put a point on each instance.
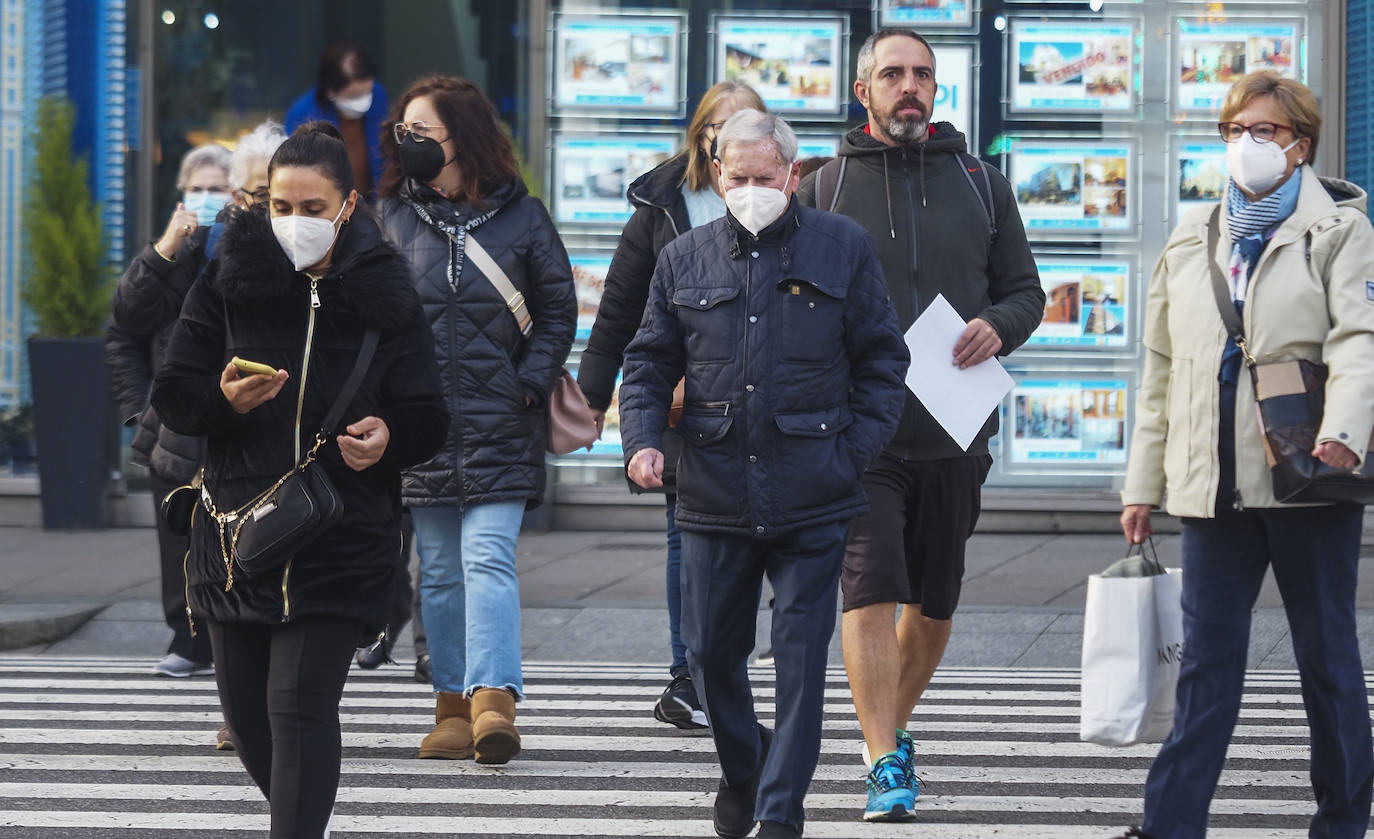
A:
(794, 364)
(495, 445)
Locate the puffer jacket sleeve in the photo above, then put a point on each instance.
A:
(1145, 477)
(654, 362)
(621, 309)
(878, 358)
(186, 392)
(1349, 347)
(149, 295)
(1018, 300)
(129, 357)
(415, 413)
(553, 307)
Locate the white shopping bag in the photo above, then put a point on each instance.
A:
(1132, 642)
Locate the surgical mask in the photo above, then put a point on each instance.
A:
(1256, 167)
(755, 207)
(206, 205)
(422, 160)
(354, 107)
(304, 239)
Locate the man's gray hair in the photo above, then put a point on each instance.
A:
(748, 126)
(863, 71)
(210, 154)
(254, 150)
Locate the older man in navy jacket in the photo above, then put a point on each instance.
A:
(779, 319)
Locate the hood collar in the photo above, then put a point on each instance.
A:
(943, 137)
(660, 186)
(366, 274)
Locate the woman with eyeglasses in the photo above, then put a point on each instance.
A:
(146, 303)
(452, 186)
(670, 199)
(1296, 253)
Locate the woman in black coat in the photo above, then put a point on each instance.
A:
(451, 181)
(670, 199)
(283, 639)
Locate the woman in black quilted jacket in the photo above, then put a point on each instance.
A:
(451, 178)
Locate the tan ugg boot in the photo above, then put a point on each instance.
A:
(493, 725)
(451, 738)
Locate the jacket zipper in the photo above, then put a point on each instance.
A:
(300, 409)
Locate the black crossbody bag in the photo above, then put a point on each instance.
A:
(301, 506)
(1291, 397)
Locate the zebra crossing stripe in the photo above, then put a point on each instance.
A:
(98, 747)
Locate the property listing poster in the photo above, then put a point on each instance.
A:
(1075, 67)
(926, 13)
(589, 277)
(817, 146)
(591, 173)
(1085, 303)
(954, 88)
(1213, 56)
(1074, 186)
(794, 64)
(612, 63)
(1201, 174)
(1068, 421)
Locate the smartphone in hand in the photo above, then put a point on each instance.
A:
(252, 368)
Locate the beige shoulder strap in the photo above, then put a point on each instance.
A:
(515, 301)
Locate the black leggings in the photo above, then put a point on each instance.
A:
(280, 686)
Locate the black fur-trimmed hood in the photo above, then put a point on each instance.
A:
(367, 275)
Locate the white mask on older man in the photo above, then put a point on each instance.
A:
(755, 207)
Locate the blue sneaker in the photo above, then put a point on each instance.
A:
(889, 792)
(906, 749)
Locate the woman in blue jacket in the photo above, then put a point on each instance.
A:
(349, 96)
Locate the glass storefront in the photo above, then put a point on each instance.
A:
(1101, 113)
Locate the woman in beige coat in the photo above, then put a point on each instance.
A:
(1298, 253)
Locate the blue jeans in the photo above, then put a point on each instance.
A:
(1314, 552)
(679, 665)
(470, 595)
(721, 576)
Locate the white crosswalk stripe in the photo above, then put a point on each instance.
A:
(100, 748)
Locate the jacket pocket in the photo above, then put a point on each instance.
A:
(704, 429)
(708, 322)
(816, 465)
(709, 481)
(1178, 439)
(812, 321)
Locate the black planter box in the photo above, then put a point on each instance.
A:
(71, 418)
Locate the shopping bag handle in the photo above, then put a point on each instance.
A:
(1152, 559)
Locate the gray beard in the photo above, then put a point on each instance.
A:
(908, 130)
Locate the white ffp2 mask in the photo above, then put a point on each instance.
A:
(1256, 167)
(755, 207)
(306, 240)
(354, 107)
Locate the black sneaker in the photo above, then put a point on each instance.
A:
(1135, 833)
(679, 706)
(424, 671)
(778, 830)
(732, 815)
(370, 658)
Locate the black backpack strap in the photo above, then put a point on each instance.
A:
(982, 187)
(355, 380)
(828, 180)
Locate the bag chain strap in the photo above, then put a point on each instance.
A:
(224, 519)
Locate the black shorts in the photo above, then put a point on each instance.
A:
(909, 546)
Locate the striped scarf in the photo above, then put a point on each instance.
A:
(1252, 223)
(449, 223)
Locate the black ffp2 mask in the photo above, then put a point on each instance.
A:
(422, 160)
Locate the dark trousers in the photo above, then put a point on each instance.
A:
(404, 603)
(1314, 552)
(721, 576)
(279, 687)
(171, 550)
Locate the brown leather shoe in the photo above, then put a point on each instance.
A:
(451, 738)
(223, 743)
(493, 725)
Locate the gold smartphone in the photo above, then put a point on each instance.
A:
(252, 367)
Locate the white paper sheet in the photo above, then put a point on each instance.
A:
(960, 400)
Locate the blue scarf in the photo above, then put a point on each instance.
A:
(1252, 224)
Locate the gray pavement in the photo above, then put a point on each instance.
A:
(597, 596)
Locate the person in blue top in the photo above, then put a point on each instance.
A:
(349, 96)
